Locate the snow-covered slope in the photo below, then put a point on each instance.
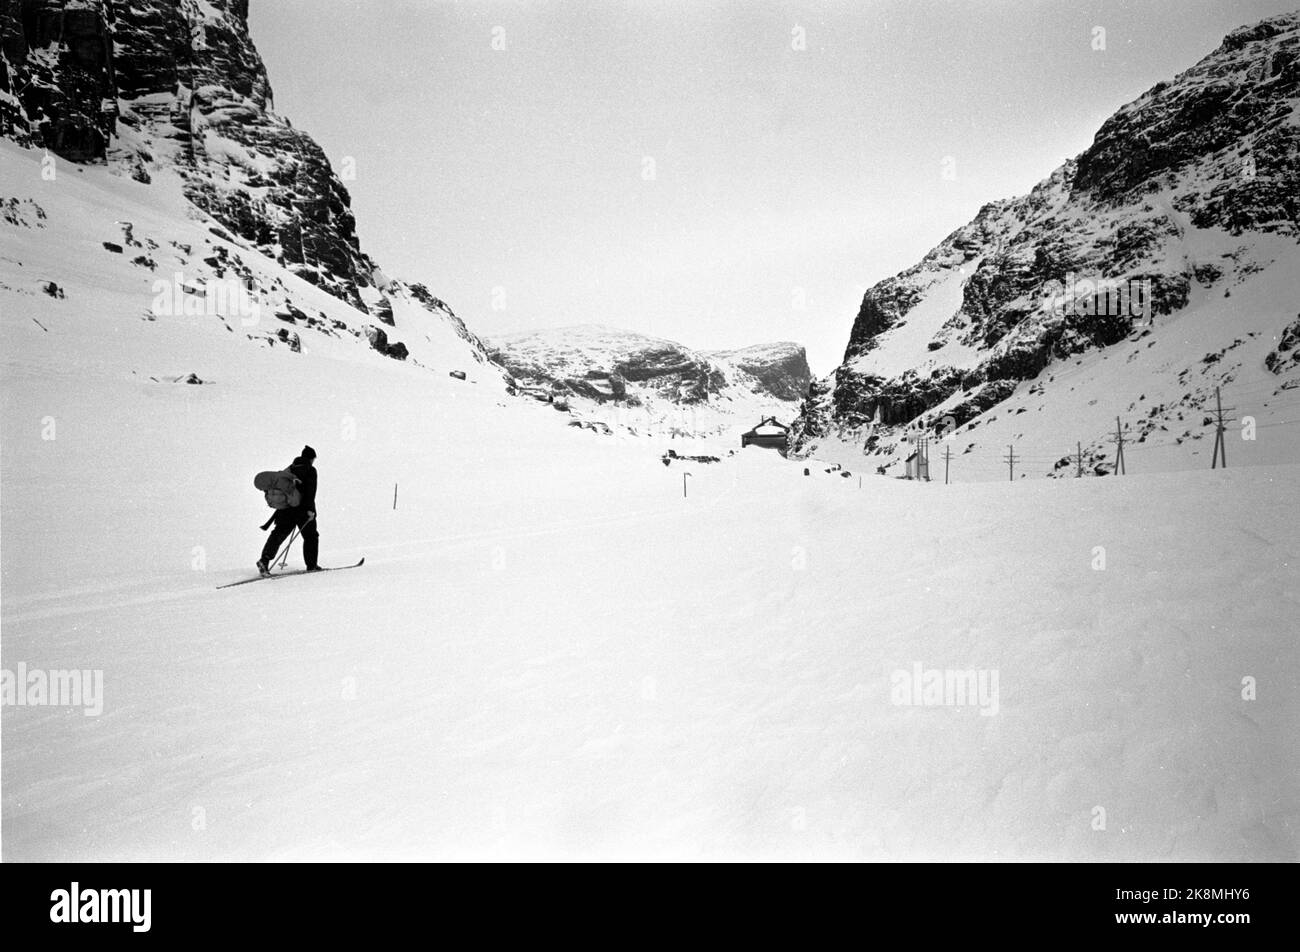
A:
(550, 653)
(173, 94)
(1132, 281)
(615, 379)
(94, 264)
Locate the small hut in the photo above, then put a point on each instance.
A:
(917, 465)
(768, 434)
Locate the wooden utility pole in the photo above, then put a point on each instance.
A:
(394, 495)
(947, 455)
(1119, 448)
(1078, 470)
(684, 475)
(1220, 444)
(1011, 461)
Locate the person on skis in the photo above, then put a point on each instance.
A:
(302, 517)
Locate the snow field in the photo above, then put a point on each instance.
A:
(550, 653)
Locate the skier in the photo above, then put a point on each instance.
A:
(302, 516)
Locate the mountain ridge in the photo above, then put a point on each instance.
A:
(1187, 191)
(590, 366)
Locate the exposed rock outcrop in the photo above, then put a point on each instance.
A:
(178, 85)
(779, 369)
(602, 363)
(1093, 254)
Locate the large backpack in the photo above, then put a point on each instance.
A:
(280, 488)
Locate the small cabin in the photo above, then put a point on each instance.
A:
(768, 434)
(917, 466)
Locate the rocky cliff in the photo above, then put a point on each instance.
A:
(1185, 193)
(177, 88)
(780, 369)
(178, 84)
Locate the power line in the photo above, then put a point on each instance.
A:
(1119, 448)
(1220, 451)
(974, 464)
(1277, 406)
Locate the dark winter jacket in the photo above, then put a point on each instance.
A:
(306, 473)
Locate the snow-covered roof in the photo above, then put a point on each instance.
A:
(769, 427)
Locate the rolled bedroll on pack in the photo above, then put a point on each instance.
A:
(280, 487)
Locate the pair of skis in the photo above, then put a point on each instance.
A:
(263, 578)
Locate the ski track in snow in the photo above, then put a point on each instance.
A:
(423, 551)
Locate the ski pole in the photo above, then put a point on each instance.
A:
(283, 557)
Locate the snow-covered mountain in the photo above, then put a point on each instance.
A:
(632, 380)
(780, 369)
(1133, 280)
(212, 201)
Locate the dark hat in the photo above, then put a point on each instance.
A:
(308, 453)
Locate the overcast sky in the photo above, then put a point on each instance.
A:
(679, 168)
